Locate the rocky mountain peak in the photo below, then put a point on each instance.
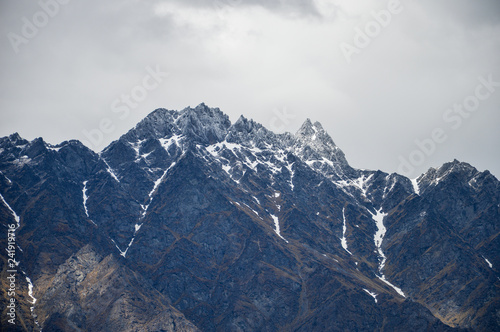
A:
(456, 168)
(314, 143)
(460, 176)
(243, 124)
(314, 134)
(13, 140)
(307, 129)
(250, 133)
(203, 124)
(158, 124)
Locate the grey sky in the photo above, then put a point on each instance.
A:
(262, 59)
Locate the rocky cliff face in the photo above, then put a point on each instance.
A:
(100, 294)
(188, 221)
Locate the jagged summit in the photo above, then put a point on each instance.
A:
(250, 133)
(203, 124)
(314, 145)
(456, 172)
(209, 125)
(206, 126)
(13, 140)
(314, 134)
(307, 128)
(455, 167)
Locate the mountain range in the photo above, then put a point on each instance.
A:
(189, 222)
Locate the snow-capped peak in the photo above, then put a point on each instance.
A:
(316, 148)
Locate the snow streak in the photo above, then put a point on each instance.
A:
(30, 292)
(277, 227)
(144, 211)
(122, 253)
(84, 191)
(344, 229)
(488, 262)
(167, 142)
(33, 298)
(110, 170)
(416, 188)
(374, 295)
(292, 174)
(379, 238)
(151, 193)
(5, 176)
(16, 217)
(85, 198)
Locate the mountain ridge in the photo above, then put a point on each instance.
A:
(242, 228)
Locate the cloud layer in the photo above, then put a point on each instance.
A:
(260, 59)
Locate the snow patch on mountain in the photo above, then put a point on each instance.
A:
(22, 160)
(84, 192)
(361, 183)
(110, 170)
(277, 227)
(292, 174)
(248, 206)
(30, 291)
(344, 229)
(137, 147)
(6, 178)
(379, 236)
(145, 208)
(378, 239)
(85, 198)
(166, 143)
(55, 148)
(488, 262)
(392, 180)
(122, 253)
(152, 192)
(416, 188)
(397, 289)
(14, 214)
(372, 294)
(33, 301)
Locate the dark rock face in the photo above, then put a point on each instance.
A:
(102, 295)
(188, 221)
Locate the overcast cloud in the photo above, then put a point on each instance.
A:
(263, 59)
